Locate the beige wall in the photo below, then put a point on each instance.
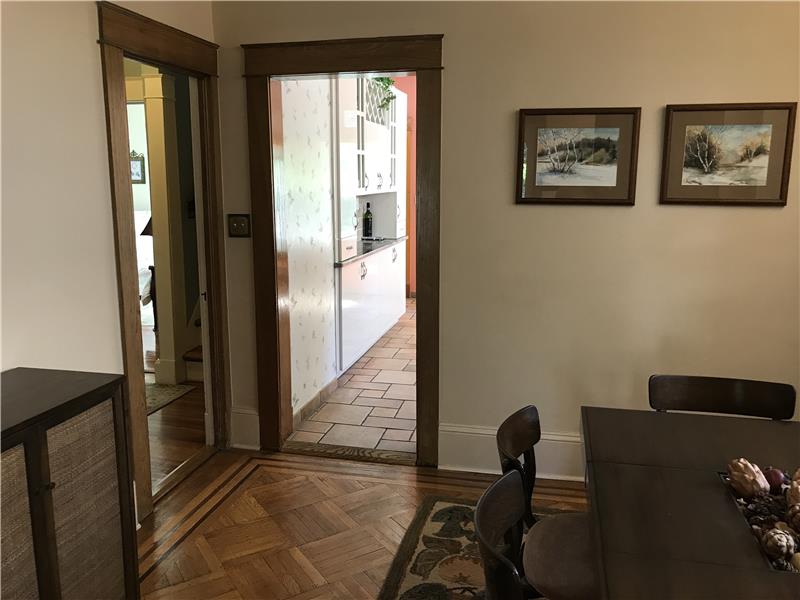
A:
(574, 305)
(564, 306)
(59, 290)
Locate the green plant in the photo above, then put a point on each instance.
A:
(385, 84)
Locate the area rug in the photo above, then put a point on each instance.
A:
(159, 395)
(438, 558)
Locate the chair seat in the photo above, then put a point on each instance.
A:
(557, 558)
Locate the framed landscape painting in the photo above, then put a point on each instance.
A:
(577, 156)
(727, 154)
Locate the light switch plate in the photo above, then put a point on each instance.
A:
(239, 225)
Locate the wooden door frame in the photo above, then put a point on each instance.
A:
(126, 34)
(421, 54)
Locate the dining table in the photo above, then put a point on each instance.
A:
(664, 523)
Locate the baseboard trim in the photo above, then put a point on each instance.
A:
(245, 433)
(552, 436)
(559, 454)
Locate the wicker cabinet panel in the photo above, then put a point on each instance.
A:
(86, 510)
(18, 562)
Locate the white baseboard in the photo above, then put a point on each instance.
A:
(559, 455)
(194, 371)
(245, 433)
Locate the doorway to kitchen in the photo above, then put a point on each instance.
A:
(340, 158)
(337, 238)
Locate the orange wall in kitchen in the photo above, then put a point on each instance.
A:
(408, 85)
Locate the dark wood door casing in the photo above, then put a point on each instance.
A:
(124, 33)
(421, 55)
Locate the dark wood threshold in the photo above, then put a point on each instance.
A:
(390, 457)
(182, 471)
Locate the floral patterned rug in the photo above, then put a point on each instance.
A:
(438, 558)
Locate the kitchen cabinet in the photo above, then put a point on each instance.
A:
(350, 156)
(389, 212)
(370, 146)
(371, 300)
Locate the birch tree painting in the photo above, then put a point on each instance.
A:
(726, 155)
(575, 156)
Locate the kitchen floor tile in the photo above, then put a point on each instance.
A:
(375, 403)
(398, 446)
(390, 423)
(401, 392)
(380, 352)
(387, 376)
(353, 435)
(368, 385)
(305, 436)
(342, 395)
(342, 413)
(314, 426)
(383, 412)
(388, 363)
(381, 402)
(372, 372)
(399, 435)
(408, 411)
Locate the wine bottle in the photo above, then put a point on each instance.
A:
(367, 231)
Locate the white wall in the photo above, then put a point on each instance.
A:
(565, 306)
(304, 188)
(137, 140)
(59, 277)
(59, 289)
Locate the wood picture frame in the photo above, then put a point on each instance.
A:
(727, 154)
(583, 155)
(137, 168)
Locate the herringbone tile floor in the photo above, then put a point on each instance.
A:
(293, 527)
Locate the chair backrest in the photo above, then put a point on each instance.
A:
(516, 437)
(498, 527)
(719, 395)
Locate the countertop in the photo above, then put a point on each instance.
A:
(365, 248)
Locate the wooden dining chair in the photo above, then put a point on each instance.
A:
(555, 560)
(720, 395)
(499, 518)
(516, 437)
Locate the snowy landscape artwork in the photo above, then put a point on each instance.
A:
(575, 156)
(736, 155)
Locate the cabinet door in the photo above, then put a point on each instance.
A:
(376, 139)
(18, 562)
(398, 281)
(356, 313)
(385, 279)
(348, 146)
(86, 509)
(376, 157)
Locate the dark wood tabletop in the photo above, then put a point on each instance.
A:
(32, 394)
(665, 526)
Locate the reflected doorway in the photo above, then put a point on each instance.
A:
(163, 126)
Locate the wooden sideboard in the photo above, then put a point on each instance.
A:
(68, 524)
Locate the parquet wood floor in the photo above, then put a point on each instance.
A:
(282, 526)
